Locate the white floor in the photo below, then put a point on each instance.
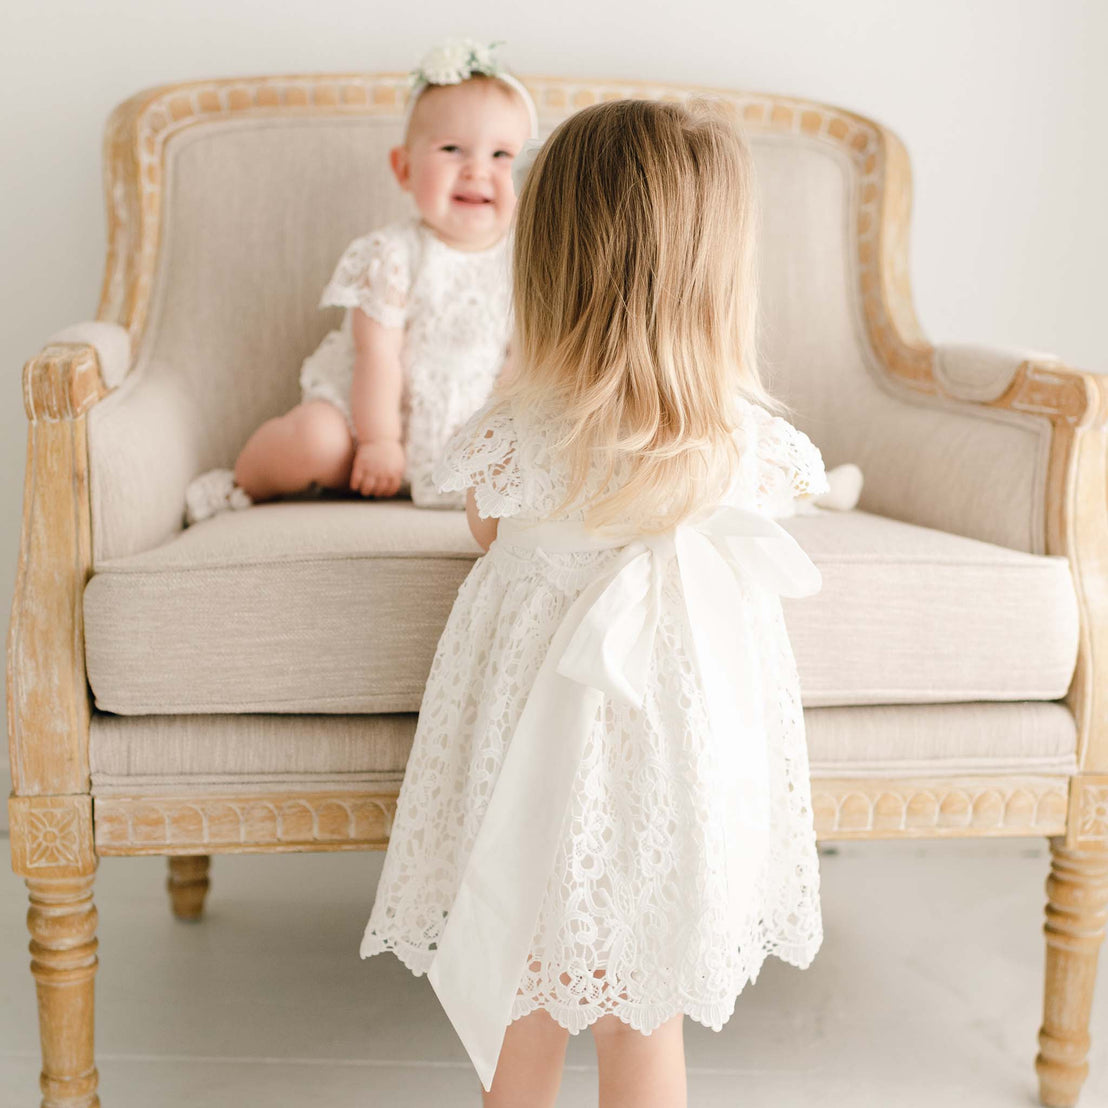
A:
(926, 992)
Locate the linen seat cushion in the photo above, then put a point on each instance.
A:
(165, 755)
(337, 605)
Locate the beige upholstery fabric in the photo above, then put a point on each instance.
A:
(338, 606)
(166, 754)
(257, 211)
(111, 342)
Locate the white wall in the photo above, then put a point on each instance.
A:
(1003, 106)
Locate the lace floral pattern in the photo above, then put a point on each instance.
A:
(778, 462)
(482, 454)
(634, 920)
(454, 307)
(790, 464)
(374, 274)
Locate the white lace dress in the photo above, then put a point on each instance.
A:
(454, 307)
(634, 910)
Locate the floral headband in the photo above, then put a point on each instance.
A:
(455, 61)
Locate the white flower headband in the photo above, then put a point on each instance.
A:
(455, 61)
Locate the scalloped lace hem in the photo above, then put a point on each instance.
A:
(490, 502)
(641, 1016)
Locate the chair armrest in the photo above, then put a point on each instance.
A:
(982, 373)
(48, 699)
(1065, 511)
(985, 446)
(64, 380)
(1001, 445)
(111, 342)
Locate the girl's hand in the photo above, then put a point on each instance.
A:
(378, 468)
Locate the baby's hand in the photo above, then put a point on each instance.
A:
(378, 468)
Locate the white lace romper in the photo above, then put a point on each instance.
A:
(454, 306)
(633, 912)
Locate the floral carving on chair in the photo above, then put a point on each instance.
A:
(1094, 812)
(52, 838)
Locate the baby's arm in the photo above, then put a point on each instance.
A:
(375, 394)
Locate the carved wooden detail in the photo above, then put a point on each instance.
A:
(139, 129)
(939, 807)
(51, 836)
(1076, 913)
(62, 922)
(210, 825)
(62, 382)
(353, 821)
(188, 885)
(1087, 823)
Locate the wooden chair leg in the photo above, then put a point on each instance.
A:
(188, 885)
(1076, 913)
(62, 922)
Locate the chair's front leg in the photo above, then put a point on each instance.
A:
(62, 922)
(188, 885)
(1076, 913)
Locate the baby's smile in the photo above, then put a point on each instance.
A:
(471, 198)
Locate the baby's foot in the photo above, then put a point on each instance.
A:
(845, 483)
(212, 492)
(846, 488)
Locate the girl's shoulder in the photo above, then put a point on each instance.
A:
(787, 461)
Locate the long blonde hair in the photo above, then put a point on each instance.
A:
(634, 304)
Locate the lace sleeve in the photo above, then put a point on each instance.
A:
(481, 454)
(789, 463)
(374, 274)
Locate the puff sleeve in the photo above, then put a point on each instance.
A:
(783, 462)
(374, 274)
(483, 454)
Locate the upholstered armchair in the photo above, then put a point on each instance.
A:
(251, 683)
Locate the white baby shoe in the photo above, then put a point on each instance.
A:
(212, 492)
(842, 496)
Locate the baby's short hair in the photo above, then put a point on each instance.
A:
(503, 82)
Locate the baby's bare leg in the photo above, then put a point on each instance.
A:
(312, 443)
(641, 1071)
(529, 1071)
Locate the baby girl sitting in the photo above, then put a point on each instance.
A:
(428, 307)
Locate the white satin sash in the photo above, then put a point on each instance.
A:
(602, 648)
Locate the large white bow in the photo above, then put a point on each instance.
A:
(603, 647)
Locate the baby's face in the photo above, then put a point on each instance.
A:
(457, 161)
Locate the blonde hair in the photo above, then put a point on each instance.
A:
(634, 303)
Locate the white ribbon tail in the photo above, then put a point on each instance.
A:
(484, 944)
(611, 646)
(731, 676)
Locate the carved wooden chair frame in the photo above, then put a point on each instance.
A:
(58, 831)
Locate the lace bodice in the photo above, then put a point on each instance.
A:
(454, 307)
(509, 464)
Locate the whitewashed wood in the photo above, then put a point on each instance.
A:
(188, 884)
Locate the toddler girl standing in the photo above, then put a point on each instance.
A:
(428, 307)
(605, 820)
